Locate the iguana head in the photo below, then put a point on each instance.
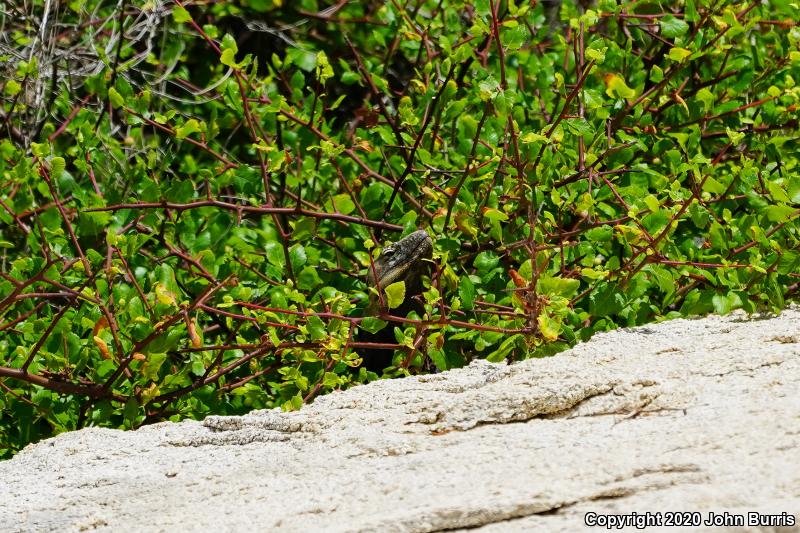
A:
(403, 261)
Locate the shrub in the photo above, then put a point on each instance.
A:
(192, 194)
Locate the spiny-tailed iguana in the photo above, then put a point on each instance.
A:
(406, 261)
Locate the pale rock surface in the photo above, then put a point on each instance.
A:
(686, 415)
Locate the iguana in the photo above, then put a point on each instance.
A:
(406, 260)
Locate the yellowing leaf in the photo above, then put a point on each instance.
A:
(548, 327)
(149, 393)
(681, 101)
(532, 137)
(164, 295)
(193, 336)
(464, 223)
(494, 214)
(679, 54)
(102, 346)
(617, 88)
(191, 126)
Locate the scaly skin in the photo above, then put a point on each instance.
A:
(402, 261)
(406, 260)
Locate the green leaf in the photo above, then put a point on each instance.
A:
(274, 253)
(343, 204)
(12, 88)
(724, 304)
(488, 88)
(152, 365)
(130, 412)
(672, 27)
(699, 215)
(599, 55)
(707, 98)
(57, 166)
(466, 290)
(691, 11)
(734, 136)
(304, 59)
(331, 149)
(229, 50)
(180, 15)
(437, 356)
(102, 411)
(395, 294)
(793, 190)
(297, 256)
(331, 380)
(350, 77)
(557, 286)
(293, 404)
(656, 74)
(372, 324)
(789, 262)
(579, 126)
(780, 213)
(304, 229)
(316, 328)
(651, 202)
(600, 234)
(504, 349)
(664, 279)
(324, 69)
(777, 192)
(164, 295)
(606, 300)
(308, 278)
(116, 99)
(486, 261)
(713, 186)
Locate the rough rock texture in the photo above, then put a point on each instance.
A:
(686, 415)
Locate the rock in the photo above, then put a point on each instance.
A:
(686, 415)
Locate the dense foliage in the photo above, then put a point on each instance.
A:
(191, 193)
